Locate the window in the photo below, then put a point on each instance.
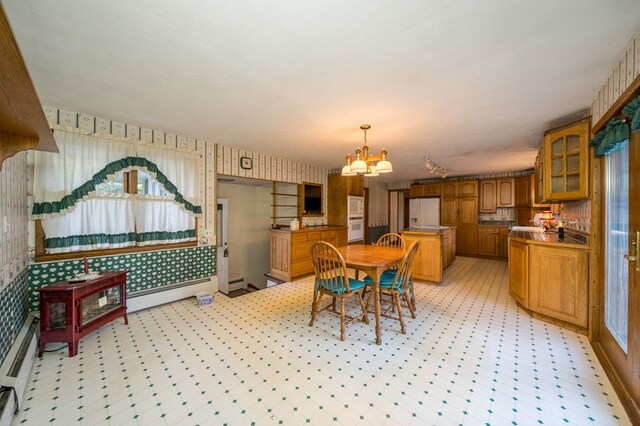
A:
(104, 195)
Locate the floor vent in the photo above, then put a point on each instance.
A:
(14, 371)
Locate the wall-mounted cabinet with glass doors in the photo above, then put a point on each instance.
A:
(565, 162)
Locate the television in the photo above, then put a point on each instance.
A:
(312, 198)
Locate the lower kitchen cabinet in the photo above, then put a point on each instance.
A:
(558, 283)
(551, 281)
(519, 271)
(290, 255)
(489, 240)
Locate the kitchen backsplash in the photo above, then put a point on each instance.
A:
(502, 213)
(577, 215)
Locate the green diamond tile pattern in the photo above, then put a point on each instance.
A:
(147, 270)
(13, 305)
(470, 357)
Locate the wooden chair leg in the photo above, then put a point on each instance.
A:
(369, 294)
(410, 304)
(342, 325)
(397, 303)
(365, 318)
(314, 307)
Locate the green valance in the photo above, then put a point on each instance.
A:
(52, 207)
(632, 110)
(89, 240)
(611, 137)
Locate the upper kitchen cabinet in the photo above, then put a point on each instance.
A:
(418, 190)
(23, 125)
(566, 162)
(495, 193)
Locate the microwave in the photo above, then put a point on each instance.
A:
(355, 206)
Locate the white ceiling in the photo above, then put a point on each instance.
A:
(471, 83)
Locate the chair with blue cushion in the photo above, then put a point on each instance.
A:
(332, 280)
(396, 284)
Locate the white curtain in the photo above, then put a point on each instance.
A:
(96, 223)
(160, 221)
(81, 156)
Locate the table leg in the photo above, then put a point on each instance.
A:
(376, 304)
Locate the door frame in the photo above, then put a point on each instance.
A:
(600, 338)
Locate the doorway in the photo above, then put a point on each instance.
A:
(619, 320)
(222, 244)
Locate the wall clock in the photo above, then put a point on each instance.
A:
(246, 163)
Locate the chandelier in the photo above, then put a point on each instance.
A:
(365, 164)
(434, 168)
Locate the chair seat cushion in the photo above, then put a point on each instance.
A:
(353, 285)
(386, 279)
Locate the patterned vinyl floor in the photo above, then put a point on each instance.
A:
(471, 357)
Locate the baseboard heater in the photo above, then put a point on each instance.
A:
(166, 294)
(14, 371)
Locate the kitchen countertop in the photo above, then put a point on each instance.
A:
(497, 222)
(535, 235)
(436, 230)
(311, 228)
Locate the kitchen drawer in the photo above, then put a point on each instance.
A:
(314, 236)
(298, 237)
(488, 229)
(301, 266)
(327, 235)
(301, 250)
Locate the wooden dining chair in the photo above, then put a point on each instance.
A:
(391, 240)
(332, 280)
(397, 286)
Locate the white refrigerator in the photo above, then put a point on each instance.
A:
(424, 212)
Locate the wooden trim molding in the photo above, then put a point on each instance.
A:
(632, 91)
(633, 411)
(111, 252)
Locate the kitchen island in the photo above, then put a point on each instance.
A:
(437, 250)
(548, 275)
(290, 252)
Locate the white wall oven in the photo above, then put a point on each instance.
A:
(355, 218)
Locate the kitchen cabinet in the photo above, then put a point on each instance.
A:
(417, 190)
(504, 241)
(550, 279)
(539, 173)
(489, 240)
(519, 271)
(526, 207)
(461, 212)
(496, 193)
(566, 162)
(505, 192)
(488, 196)
(449, 211)
(435, 253)
(449, 189)
(71, 310)
(23, 125)
(339, 188)
(290, 254)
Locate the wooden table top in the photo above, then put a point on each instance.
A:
(371, 256)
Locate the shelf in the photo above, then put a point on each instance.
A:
(23, 125)
(284, 205)
(280, 193)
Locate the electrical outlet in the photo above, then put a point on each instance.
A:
(208, 233)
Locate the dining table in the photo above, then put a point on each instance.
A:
(372, 260)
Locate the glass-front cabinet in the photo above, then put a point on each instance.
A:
(566, 162)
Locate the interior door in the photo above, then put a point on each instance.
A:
(222, 243)
(620, 311)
